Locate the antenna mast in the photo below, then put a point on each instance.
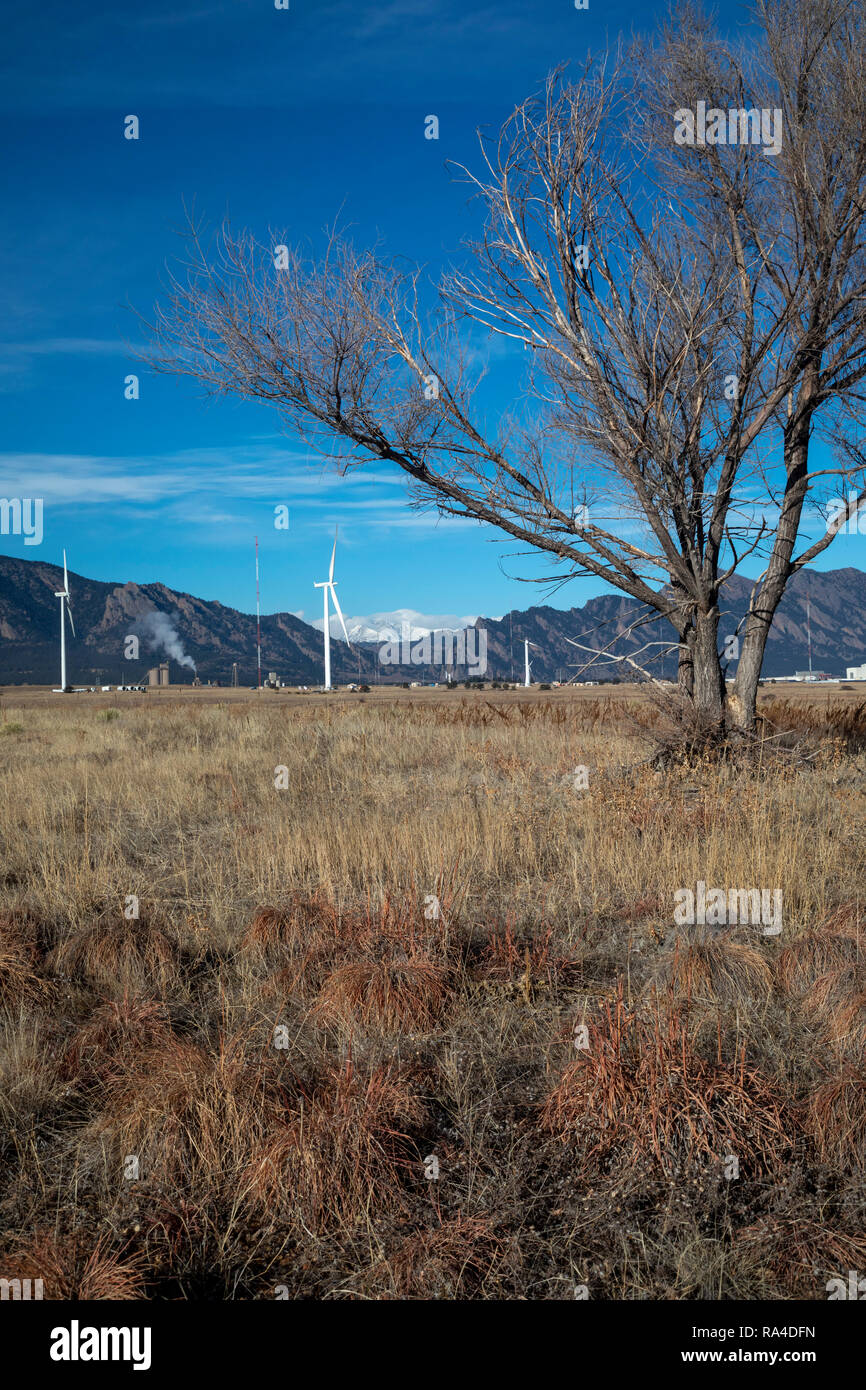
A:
(809, 631)
(258, 618)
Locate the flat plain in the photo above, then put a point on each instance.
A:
(382, 996)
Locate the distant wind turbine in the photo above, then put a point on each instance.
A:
(63, 595)
(526, 662)
(326, 585)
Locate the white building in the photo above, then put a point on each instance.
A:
(856, 673)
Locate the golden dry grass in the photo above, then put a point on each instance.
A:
(328, 985)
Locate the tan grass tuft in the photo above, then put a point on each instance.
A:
(714, 968)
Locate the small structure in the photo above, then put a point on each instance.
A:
(856, 673)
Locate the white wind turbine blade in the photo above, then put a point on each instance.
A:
(333, 557)
(339, 612)
(65, 598)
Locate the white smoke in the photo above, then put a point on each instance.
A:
(160, 633)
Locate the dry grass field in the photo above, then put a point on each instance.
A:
(380, 969)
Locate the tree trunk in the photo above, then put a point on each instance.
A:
(686, 663)
(744, 697)
(709, 684)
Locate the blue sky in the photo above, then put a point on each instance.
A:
(280, 118)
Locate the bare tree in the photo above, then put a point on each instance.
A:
(794, 228)
(669, 322)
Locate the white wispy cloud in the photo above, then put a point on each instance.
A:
(206, 487)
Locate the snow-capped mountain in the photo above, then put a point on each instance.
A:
(403, 624)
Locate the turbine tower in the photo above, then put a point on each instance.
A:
(258, 621)
(63, 595)
(325, 585)
(526, 661)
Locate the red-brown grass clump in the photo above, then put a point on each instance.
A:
(117, 1031)
(74, 1268)
(821, 953)
(824, 970)
(20, 982)
(192, 1116)
(388, 988)
(118, 953)
(644, 1090)
(836, 1119)
(345, 1151)
(535, 961)
(387, 968)
(276, 927)
(453, 1260)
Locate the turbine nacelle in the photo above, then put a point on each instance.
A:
(329, 586)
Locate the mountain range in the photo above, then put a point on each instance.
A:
(205, 636)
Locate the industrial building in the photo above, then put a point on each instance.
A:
(158, 675)
(856, 673)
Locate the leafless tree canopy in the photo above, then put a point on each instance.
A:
(691, 319)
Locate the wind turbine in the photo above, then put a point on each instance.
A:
(63, 595)
(325, 585)
(526, 645)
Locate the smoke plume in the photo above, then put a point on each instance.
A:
(160, 633)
